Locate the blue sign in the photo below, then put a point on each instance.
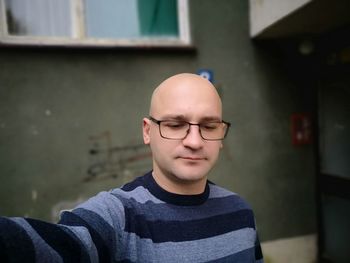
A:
(206, 73)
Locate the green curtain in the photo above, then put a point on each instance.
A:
(158, 17)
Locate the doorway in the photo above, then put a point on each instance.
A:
(334, 164)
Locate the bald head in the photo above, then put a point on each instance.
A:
(182, 92)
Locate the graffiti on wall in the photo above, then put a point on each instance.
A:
(108, 161)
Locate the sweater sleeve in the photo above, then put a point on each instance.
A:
(258, 251)
(86, 234)
(32, 240)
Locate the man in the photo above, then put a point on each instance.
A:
(171, 214)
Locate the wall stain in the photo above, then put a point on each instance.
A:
(108, 161)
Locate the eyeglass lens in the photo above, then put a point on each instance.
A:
(179, 130)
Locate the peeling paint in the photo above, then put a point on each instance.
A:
(34, 195)
(48, 112)
(33, 130)
(301, 249)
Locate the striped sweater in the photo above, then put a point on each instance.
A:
(139, 222)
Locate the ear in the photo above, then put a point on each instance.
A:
(146, 130)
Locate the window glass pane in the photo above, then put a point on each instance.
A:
(158, 17)
(130, 18)
(111, 18)
(38, 17)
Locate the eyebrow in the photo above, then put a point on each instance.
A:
(184, 118)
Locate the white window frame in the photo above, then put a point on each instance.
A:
(80, 40)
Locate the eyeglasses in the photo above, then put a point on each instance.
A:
(178, 129)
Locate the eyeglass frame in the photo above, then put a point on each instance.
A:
(158, 122)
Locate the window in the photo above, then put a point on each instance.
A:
(94, 22)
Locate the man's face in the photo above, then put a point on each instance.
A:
(189, 159)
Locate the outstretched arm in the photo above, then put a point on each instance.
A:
(87, 234)
(31, 240)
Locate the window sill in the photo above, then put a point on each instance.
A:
(144, 43)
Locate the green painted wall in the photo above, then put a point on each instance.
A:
(60, 108)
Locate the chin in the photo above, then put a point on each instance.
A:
(190, 176)
(191, 171)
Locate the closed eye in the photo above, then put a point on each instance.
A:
(210, 126)
(175, 124)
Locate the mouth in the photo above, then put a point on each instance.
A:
(192, 158)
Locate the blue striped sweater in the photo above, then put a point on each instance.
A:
(139, 222)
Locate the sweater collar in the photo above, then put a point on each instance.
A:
(175, 199)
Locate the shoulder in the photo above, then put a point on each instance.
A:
(232, 207)
(136, 191)
(116, 199)
(227, 197)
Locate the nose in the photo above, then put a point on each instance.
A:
(193, 139)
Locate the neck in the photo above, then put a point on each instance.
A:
(178, 186)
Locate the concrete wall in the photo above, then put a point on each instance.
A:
(265, 13)
(59, 108)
